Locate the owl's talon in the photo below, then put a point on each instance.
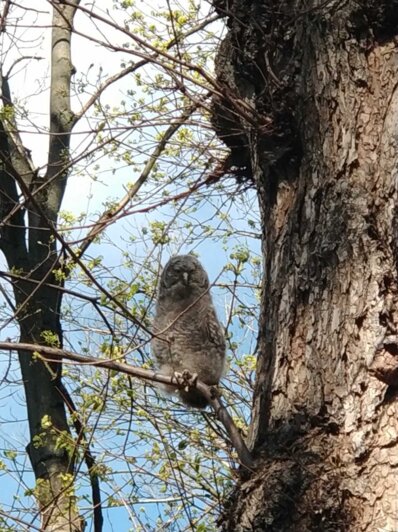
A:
(178, 377)
(190, 378)
(186, 379)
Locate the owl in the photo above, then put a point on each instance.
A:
(189, 335)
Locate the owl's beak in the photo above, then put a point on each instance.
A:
(185, 277)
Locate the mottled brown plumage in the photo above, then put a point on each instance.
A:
(190, 336)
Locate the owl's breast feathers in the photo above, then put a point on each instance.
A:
(197, 321)
(193, 339)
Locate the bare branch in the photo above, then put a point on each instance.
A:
(240, 106)
(19, 60)
(94, 300)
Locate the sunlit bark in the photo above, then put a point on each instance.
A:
(325, 415)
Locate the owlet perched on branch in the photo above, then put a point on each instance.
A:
(186, 320)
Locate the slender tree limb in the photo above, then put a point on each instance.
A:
(50, 354)
(94, 300)
(182, 195)
(26, 278)
(19, 60)
(88, 457)
(27, 525)
(108, 217)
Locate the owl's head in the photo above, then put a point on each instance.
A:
(183, 276)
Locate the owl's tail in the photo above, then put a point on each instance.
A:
(193, 398)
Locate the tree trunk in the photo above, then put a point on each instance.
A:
(30, 248)
(323, 76)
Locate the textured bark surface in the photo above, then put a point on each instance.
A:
(325, 414)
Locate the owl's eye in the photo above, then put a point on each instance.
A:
(171, 278)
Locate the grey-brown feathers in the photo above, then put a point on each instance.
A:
(190, 336)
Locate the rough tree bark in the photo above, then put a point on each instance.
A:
(29, 246)
(325, 414)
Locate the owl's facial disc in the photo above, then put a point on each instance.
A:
(177, 276)
(183, 273)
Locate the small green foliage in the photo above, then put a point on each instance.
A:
(7, 113)
(10, 454)
(36, 356)
(67, 218)
(241, 254)
(50, 338)
(38, 440)
(64, 441)
(17, 271)
(159, 232)
(46, 422)
(60, 275)
(91, 402)
(94, 262)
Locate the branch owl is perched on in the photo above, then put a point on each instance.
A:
(190, 336)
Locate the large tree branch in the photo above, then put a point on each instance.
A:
(12, 233)
(51, 354)
(38, 309)
(14, 162)
(19, 156)
(61, 116)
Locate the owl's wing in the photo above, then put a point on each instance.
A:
(161, 342)
(213, 330)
